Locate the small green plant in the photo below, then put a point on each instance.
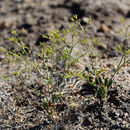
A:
(49, 106)
(105, 85)
(102, 85)
(52, 64)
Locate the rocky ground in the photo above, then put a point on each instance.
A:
(79, 109)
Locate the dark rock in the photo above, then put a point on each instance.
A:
(4, 25)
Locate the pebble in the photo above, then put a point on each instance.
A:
(85, 19)
(4, 25)
(105, 28)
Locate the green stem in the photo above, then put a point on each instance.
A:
(119, 66)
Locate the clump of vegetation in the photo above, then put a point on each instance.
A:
(53, 63)
(102, 85)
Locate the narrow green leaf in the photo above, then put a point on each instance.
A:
(109, 84)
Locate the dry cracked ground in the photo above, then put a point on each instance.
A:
(77, 109)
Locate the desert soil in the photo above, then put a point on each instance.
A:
(79, 109)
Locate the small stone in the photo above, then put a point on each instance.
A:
(85, 19)
(4, 25)
(105, 28)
